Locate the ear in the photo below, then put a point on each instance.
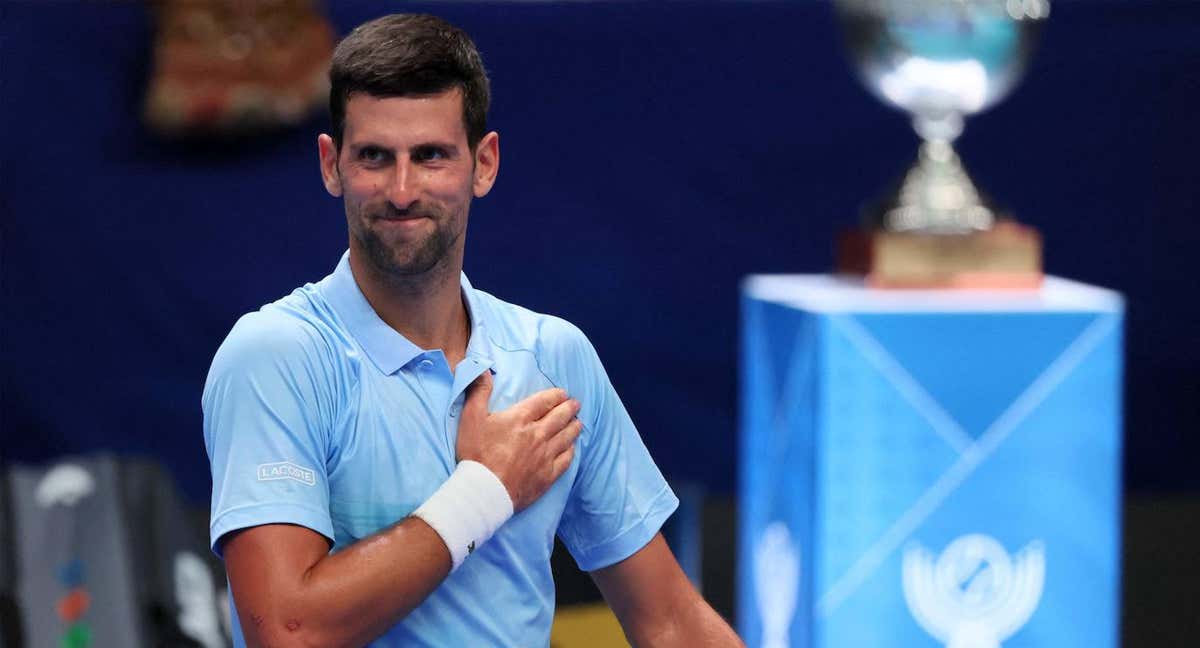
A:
(328, 153)
(487, 163)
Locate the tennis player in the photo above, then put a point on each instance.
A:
(394, 451)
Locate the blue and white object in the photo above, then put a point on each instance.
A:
(924, 468)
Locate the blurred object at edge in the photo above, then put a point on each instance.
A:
(227, 67)
(100, 551)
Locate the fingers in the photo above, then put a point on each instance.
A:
(476, 404)
(539, 404)
(557, 418)
(564, 440)
(562, 462)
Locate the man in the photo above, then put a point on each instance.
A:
(434, 437)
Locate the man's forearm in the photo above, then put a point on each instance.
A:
(656, 604)
(342, 599)
(693, 625)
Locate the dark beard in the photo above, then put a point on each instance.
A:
(424, 258)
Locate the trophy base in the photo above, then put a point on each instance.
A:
(1008, 256)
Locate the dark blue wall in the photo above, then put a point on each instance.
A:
(652, 153)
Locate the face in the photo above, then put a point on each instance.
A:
(407, 175)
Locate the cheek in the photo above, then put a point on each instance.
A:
(449, 180)
(360, 184)
(362, 197)
(446, 188)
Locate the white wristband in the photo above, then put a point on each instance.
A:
(467, 509)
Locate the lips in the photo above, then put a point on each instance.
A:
(400, 219)
(397, 216)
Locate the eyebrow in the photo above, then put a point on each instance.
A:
(449, 147)
(438, 144)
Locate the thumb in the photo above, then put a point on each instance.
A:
(478, 394)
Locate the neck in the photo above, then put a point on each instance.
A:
(427, 309)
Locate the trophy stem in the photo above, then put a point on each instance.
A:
(937, 196)
(945, 127)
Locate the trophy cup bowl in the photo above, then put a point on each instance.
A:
(940, 61)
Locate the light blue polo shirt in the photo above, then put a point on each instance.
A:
(317, 413)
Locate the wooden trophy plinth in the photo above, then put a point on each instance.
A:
(1006, 256)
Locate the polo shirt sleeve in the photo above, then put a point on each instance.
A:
(267, 415)
(619, 499)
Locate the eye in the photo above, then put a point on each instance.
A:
(429, 154)
(372, 154)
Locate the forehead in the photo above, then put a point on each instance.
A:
(408, 119)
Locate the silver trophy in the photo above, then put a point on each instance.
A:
(939, 60)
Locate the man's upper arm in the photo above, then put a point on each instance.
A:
(261, 558)
(268, 409)
(648, 582)
(619, 499)
(656, 603)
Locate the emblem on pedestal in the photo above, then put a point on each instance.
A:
(974, 595)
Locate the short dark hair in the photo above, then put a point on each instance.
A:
(409, 54)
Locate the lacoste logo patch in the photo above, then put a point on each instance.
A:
(286, 470)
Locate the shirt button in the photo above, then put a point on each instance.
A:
(453, 411)
(426, 365)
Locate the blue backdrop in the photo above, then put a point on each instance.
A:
(652, 154)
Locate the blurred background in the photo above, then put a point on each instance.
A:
(653, 154)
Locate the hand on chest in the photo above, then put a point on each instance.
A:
(398, 447)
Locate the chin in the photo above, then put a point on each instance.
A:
(408, 267)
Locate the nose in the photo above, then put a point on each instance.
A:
(402, 191)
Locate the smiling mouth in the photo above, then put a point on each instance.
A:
(401, 219)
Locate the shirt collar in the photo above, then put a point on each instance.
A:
(479, 345)
(387, 348)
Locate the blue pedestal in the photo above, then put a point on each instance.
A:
(926, 468)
